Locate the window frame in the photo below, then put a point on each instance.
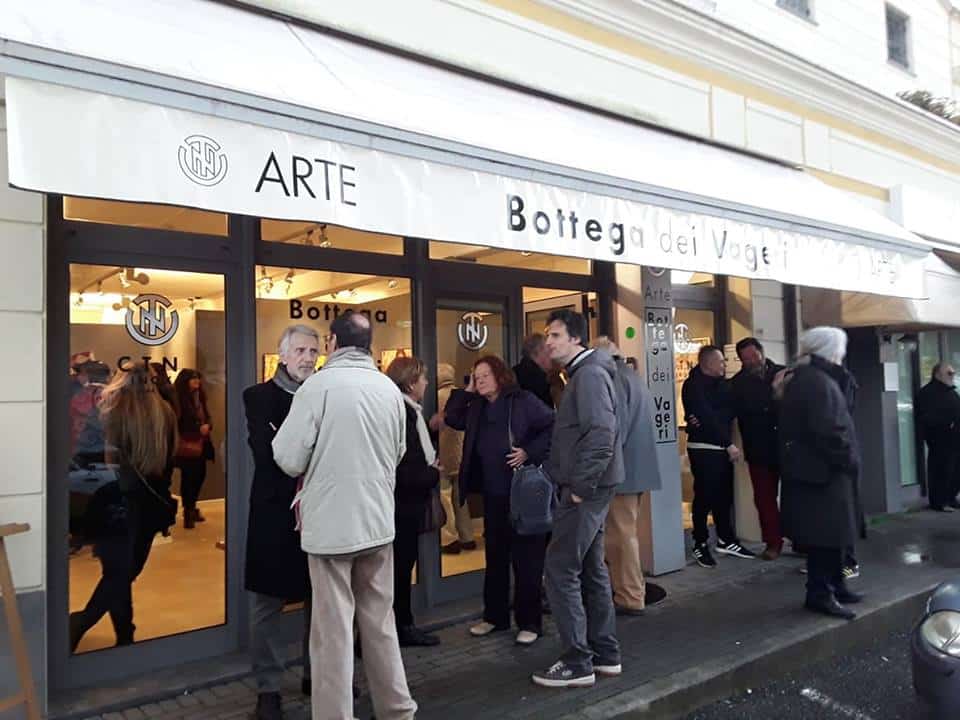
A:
(790, 7)
(892, 12)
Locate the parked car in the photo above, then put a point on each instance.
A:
(935, 651)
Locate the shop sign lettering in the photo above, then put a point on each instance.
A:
(658, 335)
(334, 181)
(330, 312)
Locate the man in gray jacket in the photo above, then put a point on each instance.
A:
(641, 474)
(586, 463)
(345, 435)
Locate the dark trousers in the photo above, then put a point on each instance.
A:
(405, 545)
(824, 571)
(766, 483)
(941, 472)
(121, 561)
(504, 549)
(193, 472)
(712, 493)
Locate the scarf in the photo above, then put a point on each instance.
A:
(425, 442)
(285, 380)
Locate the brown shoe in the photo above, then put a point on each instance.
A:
(771, 553)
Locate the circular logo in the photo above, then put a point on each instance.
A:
(656, 271)
(202, 161)
(149, 322)
(472, 332)
(681, 338)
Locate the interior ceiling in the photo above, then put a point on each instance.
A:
(172, 284)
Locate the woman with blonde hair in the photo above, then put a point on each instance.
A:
(141, 438)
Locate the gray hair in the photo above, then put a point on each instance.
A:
(830, 343)
(292, 330)
(602, 342)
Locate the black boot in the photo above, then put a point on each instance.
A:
(829, 606)
(188, 518)
(197, 516)
(412, 636)
(846, 596)
(268, 707)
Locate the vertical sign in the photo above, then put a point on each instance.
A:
(658, 346)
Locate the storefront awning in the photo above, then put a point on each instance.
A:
(339, 132)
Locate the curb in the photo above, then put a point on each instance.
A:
(678, 695)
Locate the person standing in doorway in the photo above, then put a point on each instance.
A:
(533, 370)
(346, 434)
(938, 415)
(195, 448)
(820, 458)
(276, 567)
(586, 463)
(641, 474)
(757, 414)
(708, 404)
(457, 535)
(418, 476)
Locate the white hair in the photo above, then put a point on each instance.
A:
(830, 343)
(292, 330)
(602, 342)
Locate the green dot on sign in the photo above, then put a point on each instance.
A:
(631, 333)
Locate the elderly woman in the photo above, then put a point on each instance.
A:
(418, 474)
(505, 428)
(821, 464)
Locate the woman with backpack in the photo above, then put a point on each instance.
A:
(505, 428)
(141, 435)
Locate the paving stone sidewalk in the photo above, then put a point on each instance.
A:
(713, 622)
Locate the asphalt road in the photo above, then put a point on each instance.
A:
(872, 684)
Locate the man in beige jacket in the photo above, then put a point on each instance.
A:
(345, 436)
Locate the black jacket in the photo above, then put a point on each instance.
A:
(275, 564)
(532, 378)
(531, 422)
(938, 414)
(757, 414)
(820, 457)
(415, 479)
(710, 400)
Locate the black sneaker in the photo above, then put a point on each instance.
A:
(561, 675)
(268, 707)
(413, 636)
(734, 548)
(851, 571)
(701, 553)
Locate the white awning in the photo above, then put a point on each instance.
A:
(754, 218)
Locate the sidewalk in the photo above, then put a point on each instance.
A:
(720, 631)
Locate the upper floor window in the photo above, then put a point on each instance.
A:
(898, 37)
(800, 8)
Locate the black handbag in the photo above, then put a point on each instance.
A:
(434, 516)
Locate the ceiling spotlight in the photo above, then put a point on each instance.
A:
(138, 277)
(192, 305)
(265, 282)
(123, 304)
(124, 283)
(289, 281)
(79, 301)
(308, 240)
(100, 287)
(393, 284)
(525, 253)
(324, 240)
(352, 293)
(334, 294)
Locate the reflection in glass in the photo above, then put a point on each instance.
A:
(174, 321)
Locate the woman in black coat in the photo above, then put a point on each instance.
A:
(505, 428)
(195, 448)
(820, 461)
(418, 477)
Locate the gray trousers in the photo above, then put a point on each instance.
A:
(578, 585)
(266, 650)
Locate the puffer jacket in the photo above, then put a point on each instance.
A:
(346, 434)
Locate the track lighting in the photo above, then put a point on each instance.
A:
(324, 240)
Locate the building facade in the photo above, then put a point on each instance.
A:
(682, 172)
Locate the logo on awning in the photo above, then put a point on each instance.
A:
(149, 322)
(202, 160)
(472, 332)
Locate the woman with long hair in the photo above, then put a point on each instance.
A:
(418, 476)
(505, 428)
(195, 448)
(141, 436)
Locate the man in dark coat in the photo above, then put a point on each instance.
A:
(938, 415)
(709, 409)
(641, 473)
(757, 415)
(276, 566)
(533, 370)
(820, 461)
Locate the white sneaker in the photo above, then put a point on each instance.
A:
(608, 670)
(483, 629)
(525, 637)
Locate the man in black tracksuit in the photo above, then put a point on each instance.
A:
(709, 407)
(938, 414)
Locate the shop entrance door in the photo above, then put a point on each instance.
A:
(120, 297)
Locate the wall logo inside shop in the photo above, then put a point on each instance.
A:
(149, 320)
(472, 331)
(202, 160)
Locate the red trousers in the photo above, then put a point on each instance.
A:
(766, 483)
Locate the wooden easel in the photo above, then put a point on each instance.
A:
(28, 693)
